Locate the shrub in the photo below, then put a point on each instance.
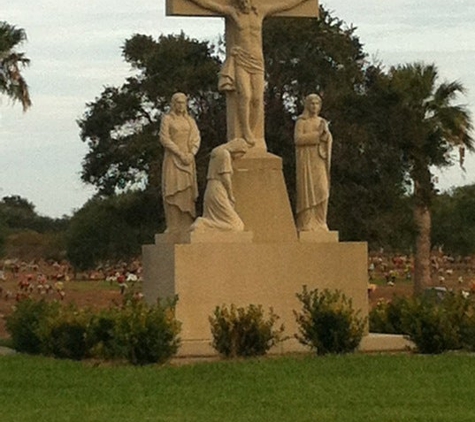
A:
(388, 317)
(436, 324)
(467, 331)
(244, 331)
(137, 332)
(100, 334)
(64, 333)
(26, 322)
(328, 323)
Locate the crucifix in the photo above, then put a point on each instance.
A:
(242, 75)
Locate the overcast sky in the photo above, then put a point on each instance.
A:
(75, 50)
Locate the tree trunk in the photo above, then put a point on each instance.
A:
(422, 277)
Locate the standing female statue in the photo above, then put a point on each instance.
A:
(313, 142)
(180, 137)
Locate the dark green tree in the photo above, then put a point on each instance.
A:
(370, 112)
(427, 127)
(325, 56)
(12, 83)
(453, 220)
(121, 126)
(19, 214)
(112, 229)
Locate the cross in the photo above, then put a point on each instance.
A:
(186, 8)
(242, 75)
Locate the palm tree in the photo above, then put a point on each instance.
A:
(430, 129)
(12, 83)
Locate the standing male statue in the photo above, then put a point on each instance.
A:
(243, 70)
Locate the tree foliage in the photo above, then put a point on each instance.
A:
(12, 83)
(453, 226)
(389, 126)
(112, 229)
(17, 214)
(427, 127)
(121, 126)
(325, 56)
(26, 235)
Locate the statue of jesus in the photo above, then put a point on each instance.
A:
(243, 70)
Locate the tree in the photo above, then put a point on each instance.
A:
(427, 127)
(112, 229)
(18, 214)
(325, 56)
(12, 83)
(370, 169)
(121, 126)
(453, 226)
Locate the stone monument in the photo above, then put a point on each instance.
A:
(265, 261)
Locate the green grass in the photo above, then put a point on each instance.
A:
(379, 388)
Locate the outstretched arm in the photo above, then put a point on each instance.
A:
(213, 6)
(281, 6)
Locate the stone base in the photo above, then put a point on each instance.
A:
(266, 265)
(206, 275)
(214, 236)
(376, 342)
(209, 236)
(171, 238)
(321, 236)
(261, 198)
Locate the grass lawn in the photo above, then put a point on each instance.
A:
(379, 388)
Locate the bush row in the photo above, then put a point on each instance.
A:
(143, 334)
(134, 331)
(435, 323)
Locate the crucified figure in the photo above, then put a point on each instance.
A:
(243, 70)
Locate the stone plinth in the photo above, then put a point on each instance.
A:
(377, 342)
(220, 237)
(261, 198)
(205, 275)
(318, 236)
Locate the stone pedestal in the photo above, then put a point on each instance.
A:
(206, 275)
(266, 265)
(261, 198)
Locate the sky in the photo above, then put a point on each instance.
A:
(75, 51)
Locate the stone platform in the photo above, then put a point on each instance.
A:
(385, 343)
(206, 275)
(267, 264)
